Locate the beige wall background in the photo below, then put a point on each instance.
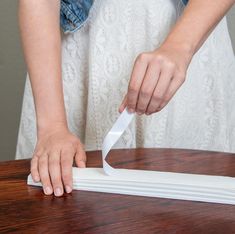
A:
(12, 75)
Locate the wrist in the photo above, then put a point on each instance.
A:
(44, 128)
(183, 48)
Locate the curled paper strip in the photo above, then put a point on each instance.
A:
(205, 188)
(112, 137)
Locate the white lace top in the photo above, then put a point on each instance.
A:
(97, 62)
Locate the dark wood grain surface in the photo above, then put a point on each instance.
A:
(25, 209)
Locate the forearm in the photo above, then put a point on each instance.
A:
(197, 21)
(40, 32)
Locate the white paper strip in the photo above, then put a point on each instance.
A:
(216, 189)
(112, 137)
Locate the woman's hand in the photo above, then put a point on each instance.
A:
(157, 75)
(53, 159)
(155, 78)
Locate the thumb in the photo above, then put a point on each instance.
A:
(80, 157)
(123, 104)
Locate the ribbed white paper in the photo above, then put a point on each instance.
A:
(205, 188)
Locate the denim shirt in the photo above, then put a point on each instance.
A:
(185, 2)
(74, 13)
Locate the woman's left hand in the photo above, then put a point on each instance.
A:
(155, 78)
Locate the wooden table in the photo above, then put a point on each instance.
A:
(25, 209)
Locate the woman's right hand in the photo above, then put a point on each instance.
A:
(53, 159)
(56, 147)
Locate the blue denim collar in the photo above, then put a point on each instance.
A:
(73, 14)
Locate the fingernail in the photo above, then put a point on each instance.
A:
(68, 189)
(48, 191)
(83, 165)
(131, 110)
(36, 178)
(147, 113)
(58, 192)
(139, 113)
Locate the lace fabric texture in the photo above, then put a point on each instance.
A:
(97, 63)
